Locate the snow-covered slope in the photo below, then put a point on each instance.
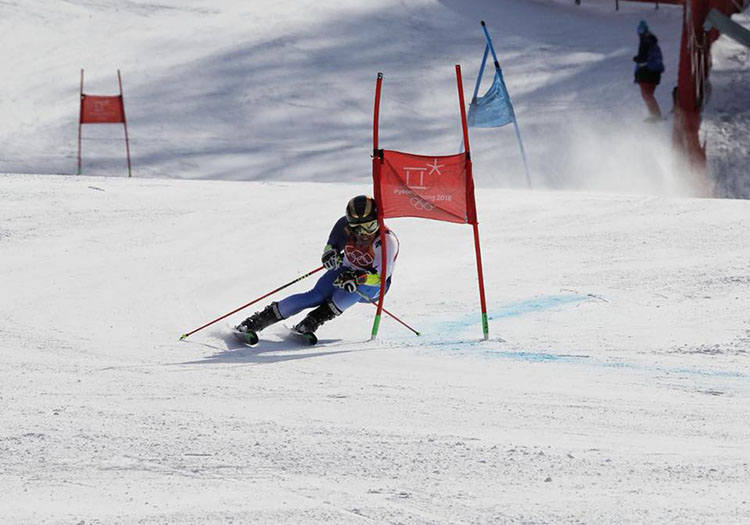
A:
(284, 90)
(615, 386)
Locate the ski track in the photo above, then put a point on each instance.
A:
(584, 382)
(615, 387)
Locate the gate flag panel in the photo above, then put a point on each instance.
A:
(426, 186)
(102, 109)
(495, 109)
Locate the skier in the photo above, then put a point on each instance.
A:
(352, 258)
(648, 69)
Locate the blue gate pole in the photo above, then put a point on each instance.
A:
(489, 44)
(476, 88)
(523, 152)
(515, 121)
(481, 71)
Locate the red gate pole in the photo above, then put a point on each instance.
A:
(80, 121)
(471, 204)
(377, 161)
(125, 122)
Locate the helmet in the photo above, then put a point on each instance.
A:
(361, 209)
(642, 27)
(362, 215)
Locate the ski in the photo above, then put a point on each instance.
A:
(249, 338)
(308, 337)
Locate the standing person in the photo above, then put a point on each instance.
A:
(352, 258)
(649, 66)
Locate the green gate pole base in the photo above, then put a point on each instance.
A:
(375, 327)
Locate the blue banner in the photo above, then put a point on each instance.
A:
(494, 109)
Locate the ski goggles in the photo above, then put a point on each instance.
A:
(365, 227)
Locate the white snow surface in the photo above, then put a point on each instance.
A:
(614, 388)
(283, 90)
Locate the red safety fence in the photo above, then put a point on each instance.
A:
(693, 73)
(691, 93)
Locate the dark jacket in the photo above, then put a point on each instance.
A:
(361, 253)
(648, 61)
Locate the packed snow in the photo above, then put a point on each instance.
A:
(283, 90)
(614, 388)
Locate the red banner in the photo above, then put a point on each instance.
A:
(97, 109)
(431, 187)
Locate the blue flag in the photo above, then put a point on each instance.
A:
(494, 108)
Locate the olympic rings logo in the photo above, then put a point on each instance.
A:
(421, 204)
(360, 258)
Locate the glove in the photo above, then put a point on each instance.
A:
(348, 280)
(331, 258)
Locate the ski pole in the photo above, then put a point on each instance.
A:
(387, 312)
(308, 274)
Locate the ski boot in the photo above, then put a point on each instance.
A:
(247, 330)
(306, 328)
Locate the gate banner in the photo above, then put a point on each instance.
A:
(431, 187)
(494, 109)
(96, 109)
(102, 109)
(438, 187)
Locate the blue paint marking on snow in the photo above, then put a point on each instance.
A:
(487, 348)
(516, 309)
(490, 348)
(671, 370)
(530, 357)
(511, 310)
(536, 305)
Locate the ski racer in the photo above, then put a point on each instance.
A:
(352, 258)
